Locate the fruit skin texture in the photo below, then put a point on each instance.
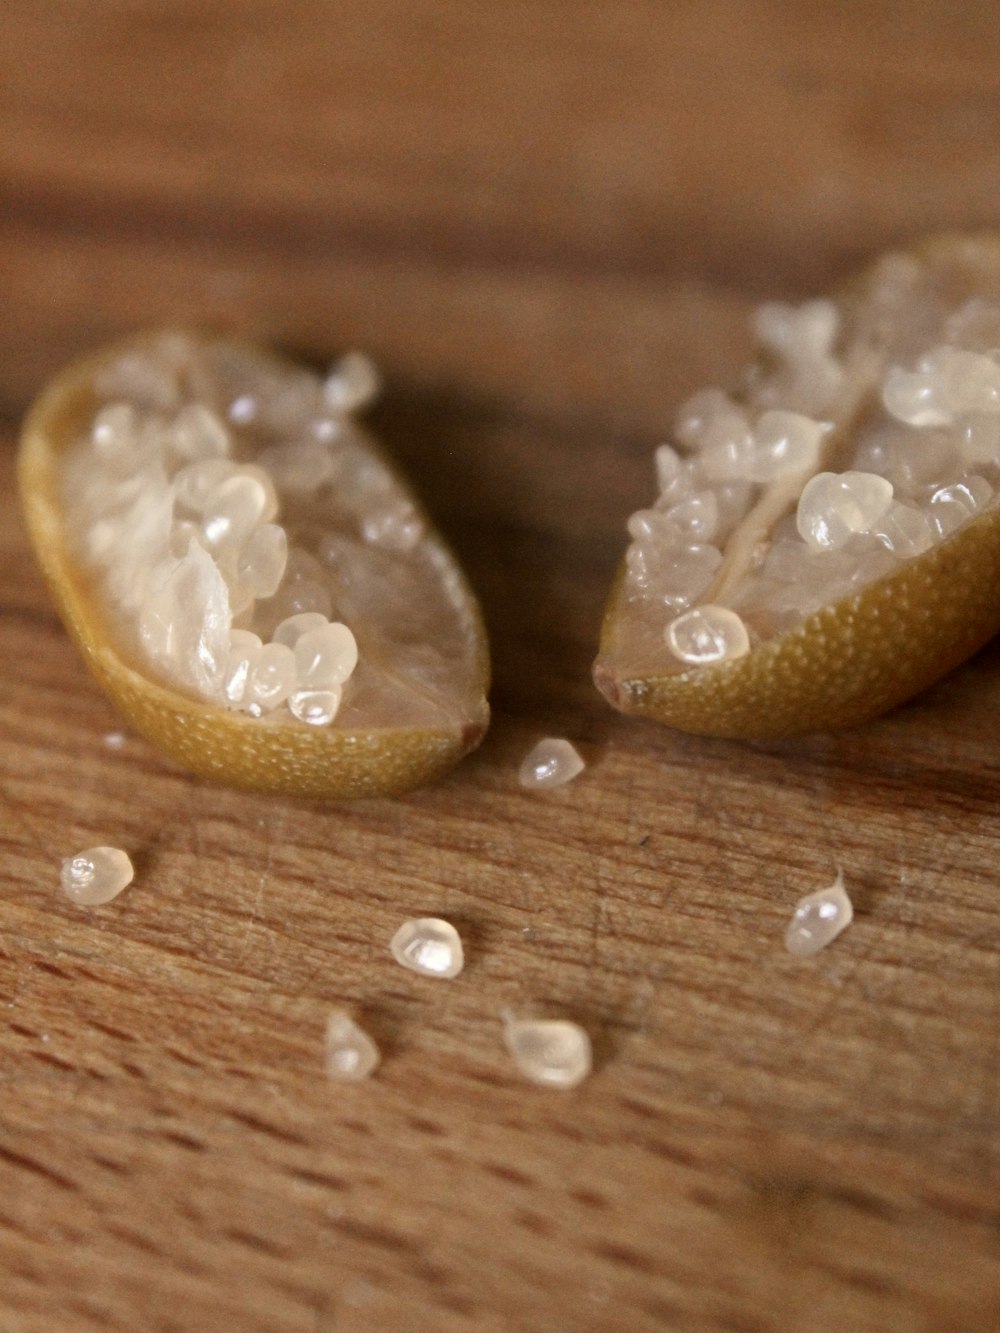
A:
(225, 747)
(848, 662)
(845, 664)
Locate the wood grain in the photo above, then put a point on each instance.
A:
(548, 222)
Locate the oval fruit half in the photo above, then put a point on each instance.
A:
(245, 574)
(826, 538)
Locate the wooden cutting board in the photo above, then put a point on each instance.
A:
(548, 223)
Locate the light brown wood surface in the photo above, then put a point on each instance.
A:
(548, 222)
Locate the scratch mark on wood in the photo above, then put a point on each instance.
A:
(257, 911)
(260, 1126)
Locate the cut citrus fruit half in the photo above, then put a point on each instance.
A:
(246, 575)
(826, 538)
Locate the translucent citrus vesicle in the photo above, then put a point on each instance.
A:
(244, 572)
(826, 538)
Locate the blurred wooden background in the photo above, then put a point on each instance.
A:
(548, 222)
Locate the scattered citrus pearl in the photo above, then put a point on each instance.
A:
(833, 507)
(135, 378)
(697, 516)
(395, 526)
(316, 707)
(300, 467)
(198, 433)
(707, 634)
(784, 443)
(818, 919)
(292, 629)
(351, 1055)
(352, 383)
(552, 763)
(194, 484)
(947, 383)
(904, 530)
(980, 434)
(550, 1051)
(114, 429)
(972, 381)
(262, 561)
(429, 946)
(707, 417)
(244, 649)
(95, 876)
(915, 398)
(272, 676)
(657, 524)
(243, 409)
(798, 332)
(234, 509)
(325, 657)
(668, 466)
(951, 506)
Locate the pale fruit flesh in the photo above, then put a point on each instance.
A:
(245, 573)
(826, 540)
